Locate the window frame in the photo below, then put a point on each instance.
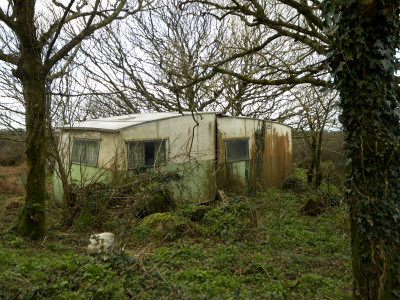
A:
(130, 142)
(97, 152)
(226, 141)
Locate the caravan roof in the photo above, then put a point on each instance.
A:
(121, 123)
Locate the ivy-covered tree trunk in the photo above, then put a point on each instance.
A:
(365, 35)
(30, 71)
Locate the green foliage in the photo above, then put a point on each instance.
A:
(320, 201)
(224, 255)
(300, 173)
(14, 241)
(116, 276)
(232, 219)
(329, 198)
(89, 207)
(194, 212)
(331, 174)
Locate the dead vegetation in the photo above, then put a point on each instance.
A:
(10, 185)
(11, 180)
(11, 193)
(12, 153)
(127, 197)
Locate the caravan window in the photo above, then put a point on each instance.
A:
(237, 150)
(85, 152)
(146, 154)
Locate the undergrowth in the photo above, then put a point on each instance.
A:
(239, 248)
(131, 196)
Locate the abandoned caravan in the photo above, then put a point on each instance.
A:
(210, 151)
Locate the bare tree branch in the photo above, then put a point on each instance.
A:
(7, 20)
(88, 30)
(9, 58)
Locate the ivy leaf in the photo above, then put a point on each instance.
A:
(378, 44)
(386, 64)
(349, 56)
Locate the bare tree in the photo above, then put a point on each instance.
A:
(146, 58)
(160, 60)
(36, 41)
(296, 27)
(317, 113)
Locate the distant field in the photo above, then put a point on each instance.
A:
(241, 248)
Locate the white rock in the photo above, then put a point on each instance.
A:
(101, 242)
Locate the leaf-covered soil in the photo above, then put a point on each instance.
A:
(241, 248)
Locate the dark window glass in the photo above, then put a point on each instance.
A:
(146, 154)
(85, 152)
(237, 149)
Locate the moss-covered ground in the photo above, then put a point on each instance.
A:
(259, 247)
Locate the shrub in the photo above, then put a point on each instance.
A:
(144, 193)
(194, 212)
(330, 198)
(232, 219)
(164, 226)
(321, 201)
(129, 196)
(294, 183)
(156, 198)
(88, 207)
(333, 173)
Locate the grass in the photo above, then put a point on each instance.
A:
(242, 248)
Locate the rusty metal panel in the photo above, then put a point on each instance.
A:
(282, 154)
(271, 157)
(277, 155)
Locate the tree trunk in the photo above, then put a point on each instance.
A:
(310, 171)
(32, 220)
(314, 176)
(318, 175)
(365, 39)
(30, 71)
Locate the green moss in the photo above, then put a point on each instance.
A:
(311, 206)
(158, 218)
(164, 225)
